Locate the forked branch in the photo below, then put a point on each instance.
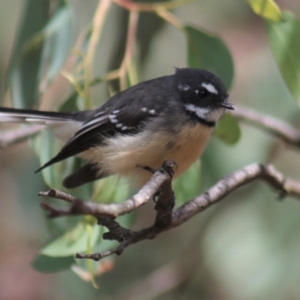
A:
(166, 219)
(15, 136)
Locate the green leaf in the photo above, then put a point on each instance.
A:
(228, 129)
(48, 264)
(207, 51)
(73, 241)
(188, 185)
(284, 39)
(46, 147)
(40, 53)
(70, 104)
(111, 189)
(24, 67)
(267, 9)
(58, 36)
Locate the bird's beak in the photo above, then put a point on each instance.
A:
(227, 105)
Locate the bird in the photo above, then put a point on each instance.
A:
(167, 118)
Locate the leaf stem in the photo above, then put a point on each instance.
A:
(150, 7)
(98, 21)
(131, 33)
(169, 17)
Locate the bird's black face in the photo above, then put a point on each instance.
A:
(203, 93)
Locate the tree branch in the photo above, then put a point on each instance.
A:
(275, 126)
(165, 218)
(15, 136)
(230, 183)
(164, 174)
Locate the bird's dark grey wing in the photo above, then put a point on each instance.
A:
(125, 113)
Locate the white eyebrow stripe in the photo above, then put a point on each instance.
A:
(210, 87)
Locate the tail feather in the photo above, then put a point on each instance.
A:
(33, 116)
(62, 125)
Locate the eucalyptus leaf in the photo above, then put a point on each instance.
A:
(267, 9)
(188, 185)
(48, 264)
(70, 104)
(228, 129)
(73, 241)
(111, 189)
(284, 39)
(46, 147)
(24, 66)
(58, 36)
(207, 51)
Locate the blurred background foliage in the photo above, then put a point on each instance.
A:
(56, 55)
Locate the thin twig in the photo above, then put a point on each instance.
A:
(15, 136)
(230, 183)
(98, 22)
(59, 195)
(155, 284)
(169, 17)
(276, 127)
(151, 7)
(131, 34)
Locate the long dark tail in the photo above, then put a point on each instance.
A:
(58, 122)
(62, 125)
(13, 115)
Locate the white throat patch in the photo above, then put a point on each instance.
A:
(210, 87)
(207, 114)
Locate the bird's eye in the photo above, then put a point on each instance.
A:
(202, 93)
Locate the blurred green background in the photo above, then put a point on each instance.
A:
(246, 247)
